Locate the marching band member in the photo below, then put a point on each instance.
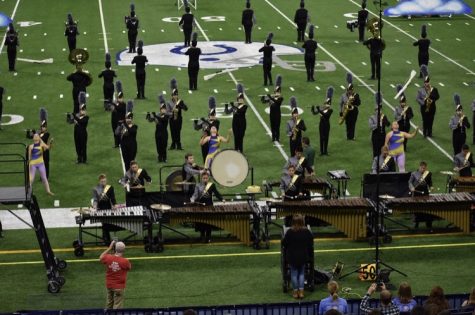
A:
(376, 46)
(362, 20)
(325, 113)
(80, 130)
(308, 152)
(140, 75)
(214, 141)
(80, 80)
(420, 184)
(193, 63)
(206, 124)
(464, 162)
(203, 194)
(36, 162)
(45, 137)
(71, 32)
(103, 198)
(459, 124)
(239, 118)
(423, 44)
(386, 162)
(426, 97)
(291, 184)
(295, 126)
(349, 102)
(132, 24)
(187, 20)
(188, 172)
(128, 136)
(135, 180)
(395, 142)
(11, 41)
(275, 102)
(161, 125)
(175, 109)
(300, 163)
(378, 125)
(301, 18)
(108, 74)
(473, 119)
(267, 50)
(310, 47)
(248, 20)
(118, 110)
(403, 114)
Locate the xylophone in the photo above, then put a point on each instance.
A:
(463, 184)
(453, 207)
(347, 215)
(234, 218)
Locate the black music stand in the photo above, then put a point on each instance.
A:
(341, 177)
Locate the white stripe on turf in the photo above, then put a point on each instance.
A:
(357, 77)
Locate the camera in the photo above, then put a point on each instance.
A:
(30, 133)
(351, 25)
(70, 118)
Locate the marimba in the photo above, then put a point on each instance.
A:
(463, 184)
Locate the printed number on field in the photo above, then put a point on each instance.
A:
(367, 272)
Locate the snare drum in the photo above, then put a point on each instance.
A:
(229, 168)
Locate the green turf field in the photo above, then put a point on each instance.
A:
(222, 280)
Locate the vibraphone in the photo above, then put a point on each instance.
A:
(453, 207)
(347, 215)
(463, 184)
(233, 218)
(317, 185)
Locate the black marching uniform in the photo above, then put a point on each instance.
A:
(71, 32)
(427, 111)
(239, 124)
(376, 47)
(310, 47)
(136, 182)
(204, 194)
(247, 21)
(294, 131)
(386, 164)
(291, 187)
(45, 138)
(267, 62)
(176, 122)
(275, 115)
(473, 119)
(140, 74)
(301, 18)
(187, 22)
(128, 143)
(423, 55)
(378, 134)
(132, 24)
(80, 137)
(193, 66)
(352, 115)
(362, 19)
(161, 135)
(188, 173)
(459, 126)
(11, 41)
(108, 86)
(403, 117)
(464, 164)
(117, 118)
(104, 199)
(80, 81)
(323, 126)
(2, 90)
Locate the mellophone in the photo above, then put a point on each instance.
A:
(233, 218)
(453, 207)
(347, 215)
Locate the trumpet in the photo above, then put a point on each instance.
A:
(346, 108)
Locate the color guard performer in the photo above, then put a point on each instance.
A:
(395, 142)
(175, 108)
(267, 50)
(71, 32)
(36, 162)
(239, 118)
(459, 124)
(134, 181)
(420, 184)
(291, 184)
(118, 111)
(463, 162)
(187, 21)
(214, 141)
(295, 126)
(310, 47)
(386, 162)
(325, 113)
(349, 103)
(128, 136)
(45, 137)
(403, 114)
(248, 19)
(362, 20)
(132, 24)
(161, 131)
(378, 125)
(423, 44)
(11, 41)
(103, 198)
(206, 124)
(275, 102)
(108, 74)
(188, 172)
(80, 130)
(300, 163)
(203, 194)
(427, 97)
(140, 61)
(193, 53)
(301, 18)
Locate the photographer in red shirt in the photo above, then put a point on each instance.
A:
(116, 273)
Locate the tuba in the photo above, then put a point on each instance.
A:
(79, 57)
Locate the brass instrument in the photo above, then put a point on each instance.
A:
(465, 164)
(428, 101)
(460, 123)
(381, 119)
(403, 113)
(374, 26)
(295, 130)
(346, 108)
(385, 163)
(79, 57)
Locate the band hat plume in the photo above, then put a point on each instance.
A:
(402, 97)
(378, 99)
(43, 117)
(212, 105)
(108, 63)
(118, 88)
(293, 105)
(174, 86)
(311, 31)
(425, 73)
(240, 90)
(329, 97)
(132, 10)
(457, 102)
(349, 81)
(161, 101)
(129, 109)
(278, 83)
(424, 31)
(82, 100)
(269, 38)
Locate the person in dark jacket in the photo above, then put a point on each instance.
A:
(140, 61)
(298, 250)
(80, 130)
(132, 24)
(301, 19)
(310, 47)
(11, 41)
(187, 21)
(239, 118)
(128, 136)
(193, 63)
(423, 43)
(325, 113)
(108, 74)
(247, 21)
(71, 32)
(267, 49)
(362, 20)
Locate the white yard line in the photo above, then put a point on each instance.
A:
(12, 17)
(357, 78)
(251, 105)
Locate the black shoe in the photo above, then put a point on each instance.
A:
(372, 78)
(179, 148)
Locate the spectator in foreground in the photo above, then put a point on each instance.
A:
(436, 302)
(116, 273)
(385, 305)
(404, 301)
(470, 303)
(418, 310)
(333, 302)
(332, 312)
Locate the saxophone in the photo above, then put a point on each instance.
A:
(460, 123)
(381, 119)
(428, 101)
(295, 130)
(176, 110)
(346, 108)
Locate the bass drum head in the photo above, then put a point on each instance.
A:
(174, 181)
(229, 168)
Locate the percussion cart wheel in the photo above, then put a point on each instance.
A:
(62, 264)
(53, 286)
(387, 239)
(61, 280)
(79, 251)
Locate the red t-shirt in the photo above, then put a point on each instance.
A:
(116, 273)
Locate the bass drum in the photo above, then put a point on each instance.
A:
(229, 168)
(174, 181)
